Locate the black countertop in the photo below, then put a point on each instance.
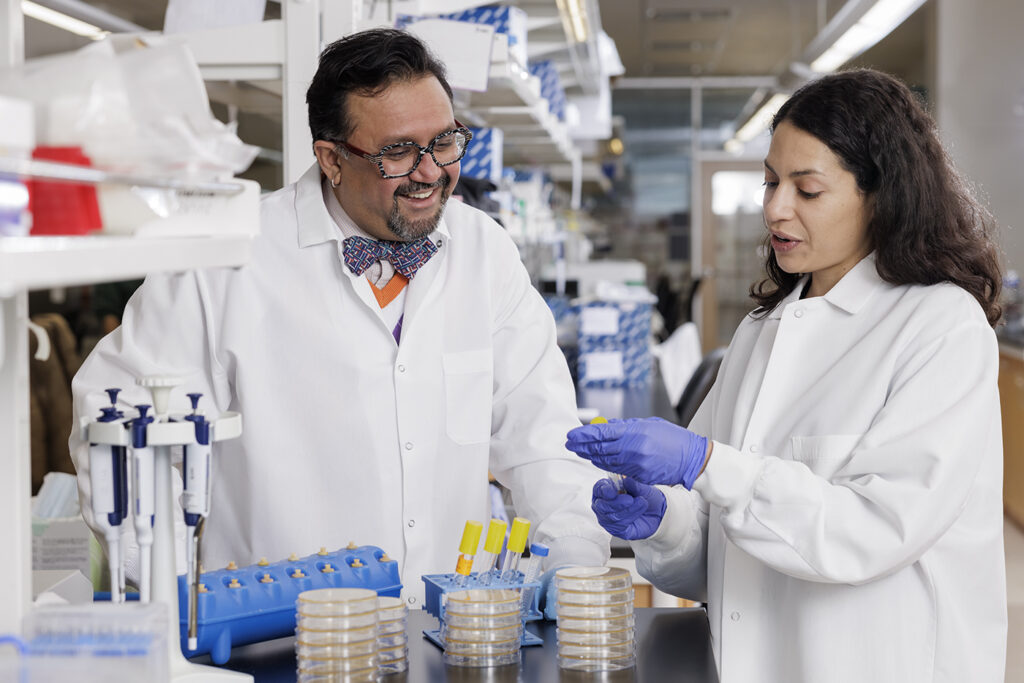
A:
(672, 645)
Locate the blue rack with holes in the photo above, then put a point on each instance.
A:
(256, 603)
(437, 585)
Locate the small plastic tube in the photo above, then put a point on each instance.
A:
(538, 551)
(492, 548)
(516, 546)
(613, 477)
(467, 550)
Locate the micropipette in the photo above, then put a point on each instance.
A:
(613, 477)
(145, 498)
(538, 551)
(492, 548)
(467, 549)
(516, 546)
(109, 496)
(196, 504)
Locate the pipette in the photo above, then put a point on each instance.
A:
(108, 483)
(492, 548)
(145, 498)
(514, 551)
(196, 504)
(613, 477)
(467, 549)
(538, 551)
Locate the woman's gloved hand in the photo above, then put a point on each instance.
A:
(631, 515)
(652, 450)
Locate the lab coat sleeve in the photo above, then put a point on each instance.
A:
(874, 506)
(165, 330)
(675, 557)
(534, 407)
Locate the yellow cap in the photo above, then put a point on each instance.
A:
(517, 537)
(495, 536)
(471, 538)
(599, 420)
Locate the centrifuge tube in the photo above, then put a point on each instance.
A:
(467, 549)
(614, 477)
(516, 546)
(538, 551)
(492, 548)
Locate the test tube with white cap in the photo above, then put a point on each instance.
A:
(614, 477)
(538, 551)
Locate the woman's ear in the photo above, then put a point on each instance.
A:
(329, 158)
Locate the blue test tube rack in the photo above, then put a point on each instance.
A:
(437, 585)
(257, 603)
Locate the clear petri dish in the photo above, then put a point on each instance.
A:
(393, 667)
(487, 621)
(321, 636)
(365, 676)
(469, 647)
(595, 597)
(620, 609)
(361, 648)
(593, 579)
(481, 601)
(596, 625)
(312, 664)
(336, 602)
(387, 628)
(390, 609)
(581, 664)
(482, 635)
(618, 651)
(392, 640)
(481, 661)
(346, 623)
(626, 635)
(392, 653)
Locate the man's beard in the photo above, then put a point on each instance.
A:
(407, 230)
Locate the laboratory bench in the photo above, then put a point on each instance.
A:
(672, 645)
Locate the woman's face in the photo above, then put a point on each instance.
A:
(813, 208)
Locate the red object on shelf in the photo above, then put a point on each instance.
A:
(62, 208)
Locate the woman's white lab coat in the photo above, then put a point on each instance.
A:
(348, 435)
(848, 527)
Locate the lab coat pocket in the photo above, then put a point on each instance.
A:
(824, 455)
(468, 387)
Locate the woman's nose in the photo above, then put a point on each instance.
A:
(778, 205)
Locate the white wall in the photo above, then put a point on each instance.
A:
(979, 95)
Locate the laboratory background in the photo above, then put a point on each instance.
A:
(619, 143)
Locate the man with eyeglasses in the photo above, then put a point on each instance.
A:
(384, 346)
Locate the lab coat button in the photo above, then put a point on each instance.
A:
(754, 448)
(735, 616)
(798, 313)
(408, 445)
(412, 600)
(412, 523)
(401, 368)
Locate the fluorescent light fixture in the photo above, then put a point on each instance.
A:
(761, 118)
(877, 23)
(62, 21)
(575, 15)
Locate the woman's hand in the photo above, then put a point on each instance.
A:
(631, 514)
(652, 450)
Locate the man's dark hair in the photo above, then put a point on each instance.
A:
(925, 225)
(364, 63)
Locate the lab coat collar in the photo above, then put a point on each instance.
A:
(315, 225)
(849, 294)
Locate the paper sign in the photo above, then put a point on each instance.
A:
(464, 47)
(599, 320)
(602, 365)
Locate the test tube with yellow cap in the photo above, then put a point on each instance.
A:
(467, 549)
(614, 477)
(516, 546)
(492, 548)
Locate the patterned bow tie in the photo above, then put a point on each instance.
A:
(407, 257)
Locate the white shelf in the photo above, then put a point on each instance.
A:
(28, 263)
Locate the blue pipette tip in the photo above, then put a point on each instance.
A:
(112, 393)
(194, 398)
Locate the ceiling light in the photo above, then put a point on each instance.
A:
(761, 118)
(62, 21)
(574, 14)
(877, 23)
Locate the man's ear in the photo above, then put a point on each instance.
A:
(328, 155)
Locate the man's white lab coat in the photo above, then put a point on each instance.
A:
(848, 527)
(348, 435)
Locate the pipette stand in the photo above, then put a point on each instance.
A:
(162, 435)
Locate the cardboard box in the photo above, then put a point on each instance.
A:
(614, 344)
(484, 157)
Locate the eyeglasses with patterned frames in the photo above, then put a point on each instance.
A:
(402, 158)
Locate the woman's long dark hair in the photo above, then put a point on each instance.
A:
(925, 225)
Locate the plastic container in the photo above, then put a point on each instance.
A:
(595, 637)
(481, 661)
(590, 665)
(368, 676)
(391, 609)
(596, 597)
(337, 665)
(322, 637)
(336, 602)
(393, 667)
(360, 648)
(353, 621)
(593, 579)
(392, 640)
(620, 609)
(481, 635)
(596, 625)
(479, 622)
(392, 654)
(617, 651)
(483, 602)
(470, 647)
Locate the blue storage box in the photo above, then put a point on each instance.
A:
(614, 344)
(550, 86)
(484, 155)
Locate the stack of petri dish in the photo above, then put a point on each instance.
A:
(482, 627)
(336, 635)
(392, 641)
(595, 618)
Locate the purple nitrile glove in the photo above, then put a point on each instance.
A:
(633, 514)
(652, 450)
